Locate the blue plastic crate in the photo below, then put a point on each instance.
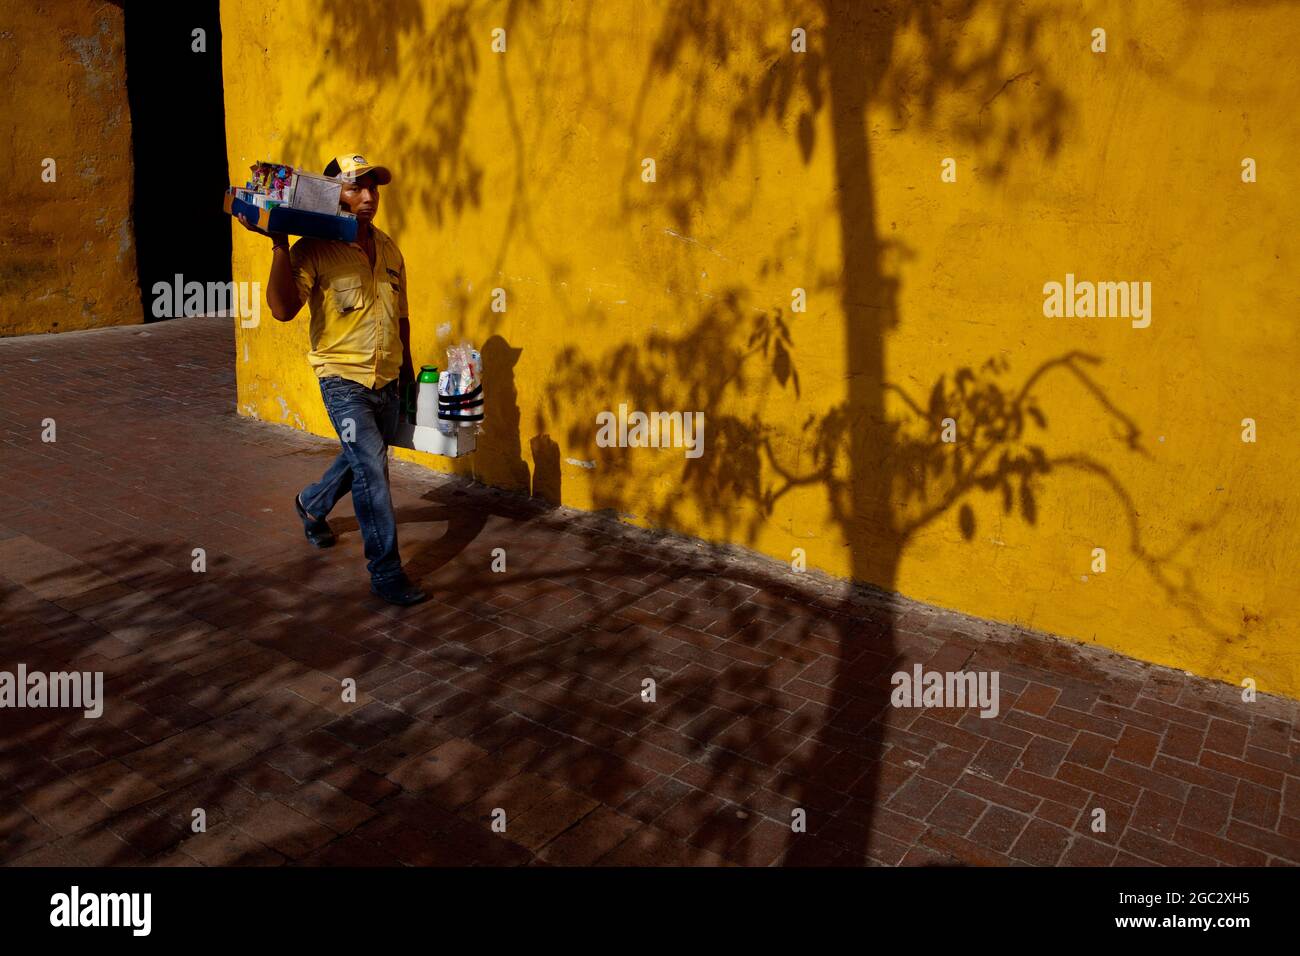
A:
(295, 222)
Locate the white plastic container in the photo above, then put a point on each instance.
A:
(461, 442)
(426, 404)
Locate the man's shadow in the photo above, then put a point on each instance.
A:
(428, 555)
(498, 459)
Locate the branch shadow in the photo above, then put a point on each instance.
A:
(773, 698)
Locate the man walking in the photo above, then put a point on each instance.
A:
(360, 334)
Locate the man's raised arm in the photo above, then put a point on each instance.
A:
(281, 289)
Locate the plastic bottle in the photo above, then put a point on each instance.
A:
(448, 384)
(426, 396)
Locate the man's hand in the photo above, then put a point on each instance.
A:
(406, 375)
(404, 334)
(277, 238)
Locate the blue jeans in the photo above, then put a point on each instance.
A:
(371, 416)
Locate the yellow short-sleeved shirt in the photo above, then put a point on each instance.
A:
(355, 310)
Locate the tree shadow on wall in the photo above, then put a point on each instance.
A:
(849, 67)
(884, 477)
(436, 165)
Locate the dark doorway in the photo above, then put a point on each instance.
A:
(178, 129)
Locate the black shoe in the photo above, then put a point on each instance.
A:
(317, 529)
(399, 591)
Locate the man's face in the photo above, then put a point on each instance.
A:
(361, 198)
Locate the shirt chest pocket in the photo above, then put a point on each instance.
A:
(347, 293)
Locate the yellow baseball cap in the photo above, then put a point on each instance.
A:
(350, 167)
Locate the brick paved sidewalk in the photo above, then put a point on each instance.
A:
(521, 690)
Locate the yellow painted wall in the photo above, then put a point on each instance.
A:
(67, 249)
(821, 171)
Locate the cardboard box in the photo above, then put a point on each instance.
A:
(461, 441)
(295, 222)
(312, 193)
